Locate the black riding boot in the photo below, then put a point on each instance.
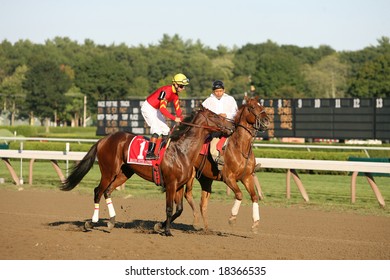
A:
(152, 145)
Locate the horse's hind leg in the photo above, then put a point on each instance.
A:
(190, 199)
(95, 217)
(119, 180)
(107, 190)
(206, 184)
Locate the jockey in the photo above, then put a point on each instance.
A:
(224, 105)
(154, 110)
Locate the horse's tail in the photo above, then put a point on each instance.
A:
(80, 170)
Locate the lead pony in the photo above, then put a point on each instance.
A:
(239, 164)
(176, 165)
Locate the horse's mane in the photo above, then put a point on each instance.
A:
(242, 107)
(238, 113)
(181, 129)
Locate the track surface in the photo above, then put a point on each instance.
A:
(48, 225)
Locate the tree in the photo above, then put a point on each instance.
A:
(370, 71)
(74, 106)
(12, 91)
(102, 78)
(46, 85)
(326, 78)
(271, 69)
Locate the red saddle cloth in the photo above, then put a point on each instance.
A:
(137, 150)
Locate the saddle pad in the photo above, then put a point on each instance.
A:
(137, 151)
(220, 145)
(205, 148)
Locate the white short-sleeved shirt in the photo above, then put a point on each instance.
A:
(226, 105)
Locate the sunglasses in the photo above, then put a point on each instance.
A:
(181, 86)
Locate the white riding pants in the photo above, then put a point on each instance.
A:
(155, 119)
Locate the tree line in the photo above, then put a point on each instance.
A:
(52, 80)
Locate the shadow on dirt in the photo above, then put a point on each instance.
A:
(139, 226)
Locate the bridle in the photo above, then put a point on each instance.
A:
(259, 125)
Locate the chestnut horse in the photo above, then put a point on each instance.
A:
(239, 163)
(176, 165)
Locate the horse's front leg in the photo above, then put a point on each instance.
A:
(237, 202)
(170, 195)
(249, 183)
(179, 206)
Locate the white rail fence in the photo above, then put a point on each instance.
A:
(325, 147)
(291, 165)
(366, 149)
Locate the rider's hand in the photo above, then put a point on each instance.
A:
(177, 119)
(223, 115)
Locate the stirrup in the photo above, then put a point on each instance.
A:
(220, 162)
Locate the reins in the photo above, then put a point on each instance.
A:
(252, 132)
(201, 126)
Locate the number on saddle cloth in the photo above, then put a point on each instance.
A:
(137, 151)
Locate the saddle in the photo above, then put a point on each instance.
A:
(137, 152)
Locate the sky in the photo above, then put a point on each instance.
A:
(344, 25)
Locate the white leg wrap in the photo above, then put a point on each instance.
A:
(236, 207)
(256, 212)
(110, 206)
(95, 217)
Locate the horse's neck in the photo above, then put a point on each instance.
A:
(192, 141)
(242, 138)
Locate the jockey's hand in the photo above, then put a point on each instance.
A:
(178, 120)
(223, 115)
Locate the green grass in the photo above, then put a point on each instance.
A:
(326, 192)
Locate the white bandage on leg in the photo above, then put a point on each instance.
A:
(236, 207)
(256, 212)
(95, 217)
(110, 206)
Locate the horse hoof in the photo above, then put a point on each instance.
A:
(197, 227)
(232, 220)
(158, 227)
(168, 233)
(255, 227)
(111, 223)
(88, 226)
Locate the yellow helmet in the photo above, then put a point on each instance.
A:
(180, 79)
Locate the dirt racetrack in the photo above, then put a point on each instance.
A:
(49, 225)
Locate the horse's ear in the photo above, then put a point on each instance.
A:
(246, 98)
(197, 109)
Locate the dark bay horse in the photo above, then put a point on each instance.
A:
(239, 163)
(176, 165)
